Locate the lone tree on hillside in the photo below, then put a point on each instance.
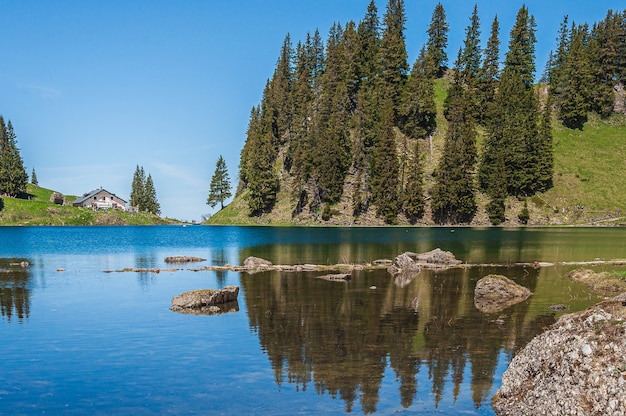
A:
(220, 185)
(33, 178)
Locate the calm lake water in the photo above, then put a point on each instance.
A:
(82, 341)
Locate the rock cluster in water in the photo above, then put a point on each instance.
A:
(207, 300)
(496, 292)
(577, 367)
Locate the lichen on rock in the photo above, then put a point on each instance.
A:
(577, 367)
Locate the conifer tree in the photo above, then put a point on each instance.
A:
(453, 195)
(573, 98)
(546, 149)
(13, 176)
(489, 74)
(262, 178)
(332, 153)
(438, 39)
(220, 185)
(33, 178)
(414, 190)
(418, 116)
(513, 129)
(151, 202)
(385, 170)
(137, 189)
(469, 63)
(393, 56)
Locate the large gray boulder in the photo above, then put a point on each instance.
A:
(256, 263)
(412, 263)
(205, 300)
(496, 292)
(577, 367)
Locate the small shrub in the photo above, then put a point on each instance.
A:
(326, 213)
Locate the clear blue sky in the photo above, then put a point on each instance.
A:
(94, 88)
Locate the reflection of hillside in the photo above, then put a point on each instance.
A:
(341, 337)
(14, 291)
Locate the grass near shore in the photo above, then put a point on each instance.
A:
(38, 210)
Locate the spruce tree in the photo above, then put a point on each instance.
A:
(151, 202)
(573, 98)
(385, 169)
(393, 55)
(418, 116)
(414, 190)
(220, 185)
(33, 178)
(489, 74)
(137, 189)
(513, 129)
(438, 40)
(13, 176)
(262, 177)
(453, 195)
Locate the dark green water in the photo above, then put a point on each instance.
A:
(81, 341)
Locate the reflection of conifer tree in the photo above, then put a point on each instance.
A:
(14, 289)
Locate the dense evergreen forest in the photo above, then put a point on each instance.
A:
(348, 122)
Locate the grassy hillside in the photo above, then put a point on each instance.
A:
(38, 210)
(589, 178)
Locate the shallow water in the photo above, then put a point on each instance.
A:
(83, 341)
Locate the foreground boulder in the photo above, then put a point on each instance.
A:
(206, 300)
(577, 367)
(496, 292)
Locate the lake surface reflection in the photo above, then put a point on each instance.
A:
(83, 341)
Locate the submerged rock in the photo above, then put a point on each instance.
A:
(496, 292)
(204, 299)
(338, 277)
(603, 283)
(183, 259)
(577, 367)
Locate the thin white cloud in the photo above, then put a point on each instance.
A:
(42, 91)
(180, 173)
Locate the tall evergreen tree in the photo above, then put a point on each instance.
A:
(513, 129)
(574, 85)
(393, 56)
(385, 170)
(220, 185)
(151, 202)
(137, 189)
(414, 204)
(453, 195)
(489, 74)
(332, 153)
(469, 65)
(438, 39)
(418, 116)
(13, 176)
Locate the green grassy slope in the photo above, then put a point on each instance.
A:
(589, 178)
(38, 210)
